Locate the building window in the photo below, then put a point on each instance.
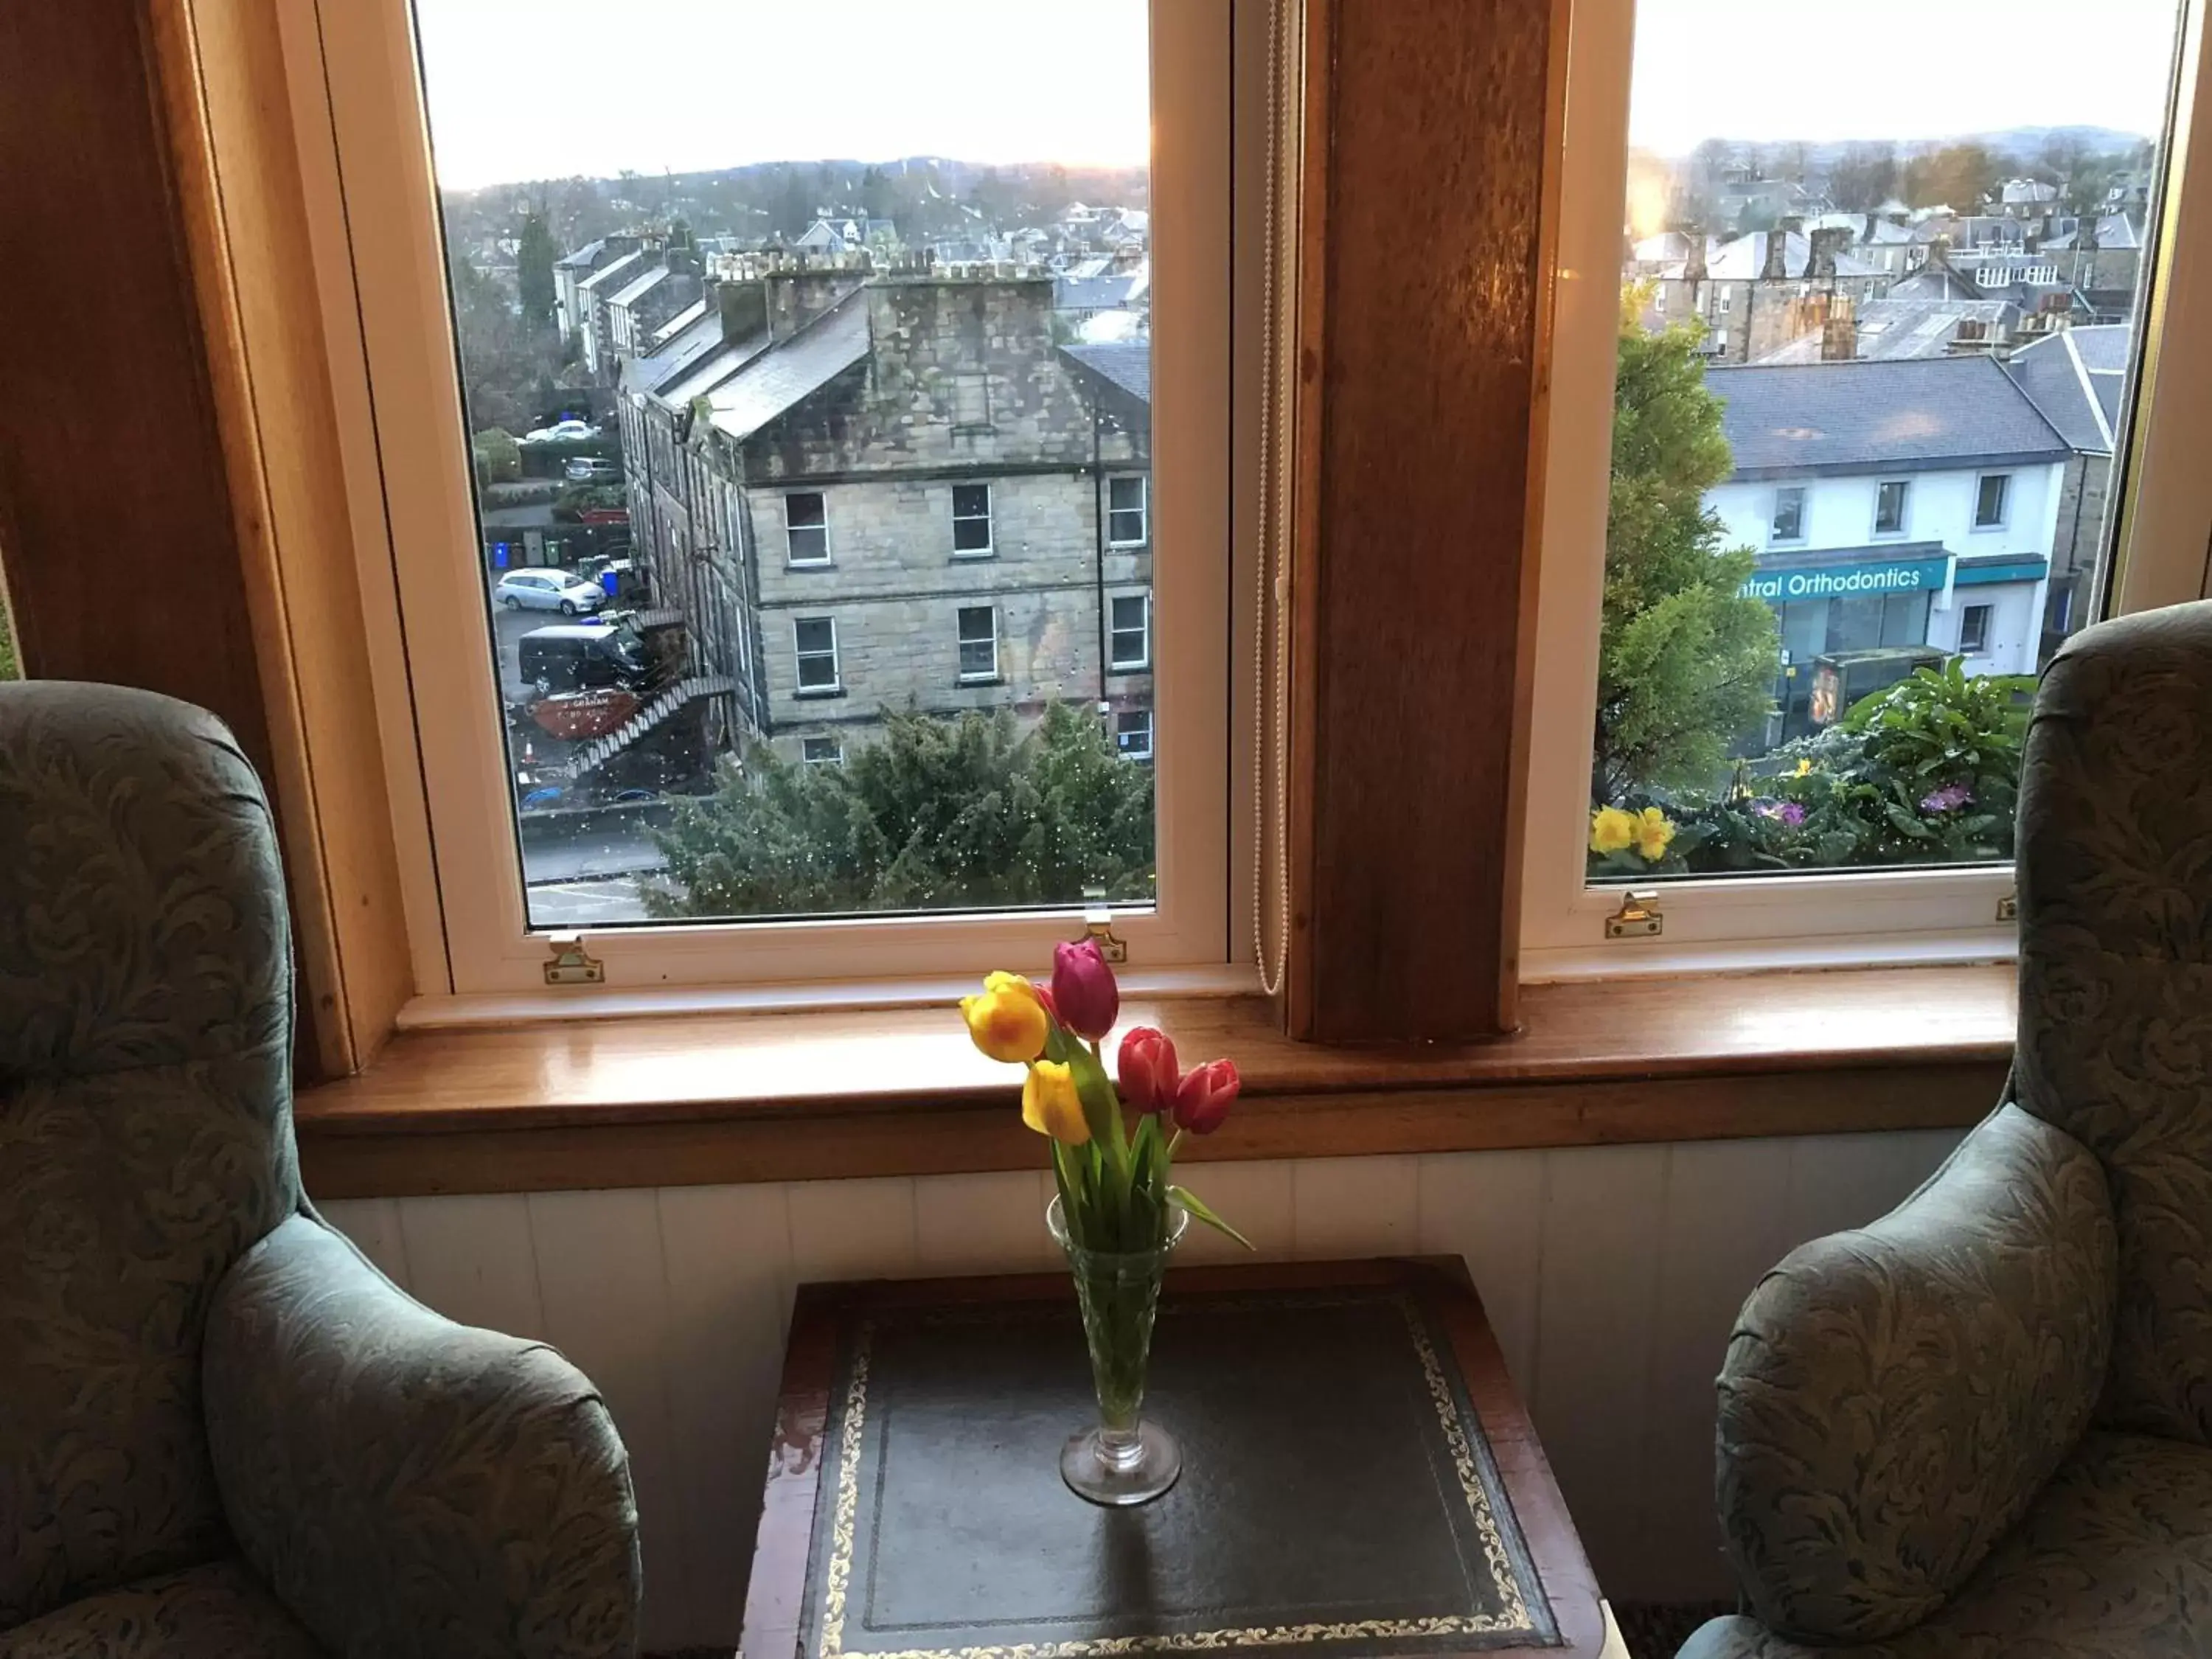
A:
(807, 528)
(1992, 496)
(1889, 506)
(971, 522)
(814, 639)
(1127, 512)
(979, 643)
(1789, 515)
(1974, 630)
(1131, 631)
(821, 751)
(1132, 734)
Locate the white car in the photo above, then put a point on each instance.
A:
(562, 432)
(547, 590)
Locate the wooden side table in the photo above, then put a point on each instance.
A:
(1360, 1477)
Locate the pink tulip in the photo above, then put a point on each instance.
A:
(1146, 1072)
(1085, 998)
(1205, 1095)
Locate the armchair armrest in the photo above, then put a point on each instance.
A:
(1894, 1397)
(409, 1485)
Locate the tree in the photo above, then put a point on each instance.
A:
(937, 813)
(534, 262)
(1864, 177)
(498, 456)
(1956, 176)
(1686, 662)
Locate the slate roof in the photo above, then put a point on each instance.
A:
(1890, 329)
(2076, 377)
(1937, 282)
(792, 369)
(1128, 367)
(582, 257)
(1916, 416)
(653, 371)
(611, 276)
(643, 286)
(1099, 293)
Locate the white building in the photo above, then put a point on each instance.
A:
(1892, 504)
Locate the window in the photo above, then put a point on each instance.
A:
(1889, 506)
(979, 643)
(1132, 734)
(971, 520)
(880, 393)
(1788, 514)
(1127, 512)
(1991, 494)
(1752, 755)
(814, 643)
(821, 751)
(1131, 633)
(806, 528)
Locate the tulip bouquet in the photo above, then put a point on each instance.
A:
(1119, 1211)
(1115, 1188)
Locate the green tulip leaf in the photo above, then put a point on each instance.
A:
(1196, 1206)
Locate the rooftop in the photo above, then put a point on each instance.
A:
(1912, 416)
(2076, 377)
(1744, 259)
(792, 369)
(614, 274)
(1128, 367)
(1891, 330)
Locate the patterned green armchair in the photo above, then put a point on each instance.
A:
(222, 1432)
(1983, 1426)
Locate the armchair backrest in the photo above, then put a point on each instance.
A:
(145, 1120)
(2115, 1043)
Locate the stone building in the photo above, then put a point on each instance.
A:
(2077, 377)
(856, 490)
(1750, 294)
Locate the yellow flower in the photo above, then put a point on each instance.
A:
(1611, 829)
(1803, 766)
(1051, 1106)
(1007, 1022)
(1655, 833)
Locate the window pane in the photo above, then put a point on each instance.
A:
(735, 385)
(1132, 645)
(971, 518)
(1878, 350)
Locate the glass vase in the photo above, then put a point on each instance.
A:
(1124, 1460)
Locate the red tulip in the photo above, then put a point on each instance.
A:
(1085, 998)
(1145, 1069)
(1205, 1095)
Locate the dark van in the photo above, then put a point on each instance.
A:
(582, 657)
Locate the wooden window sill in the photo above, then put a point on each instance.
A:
(707, 1099)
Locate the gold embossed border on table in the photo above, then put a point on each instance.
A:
(1438, 1287)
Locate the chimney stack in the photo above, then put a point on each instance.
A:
(1840, 336)
(1777, 268)
(1826, 244)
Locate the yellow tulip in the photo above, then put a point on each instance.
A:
(1655, 833)
(1804, 766)
(1007, 1022)
(1611, 829)
(1051, 1106)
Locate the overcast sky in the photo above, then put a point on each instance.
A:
(1767, 69)
(546, 89)
(536, 88)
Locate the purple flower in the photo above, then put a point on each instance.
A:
(1949, 799)
(1787, 814)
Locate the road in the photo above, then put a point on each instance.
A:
(587, 869)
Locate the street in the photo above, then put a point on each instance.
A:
(588, 868)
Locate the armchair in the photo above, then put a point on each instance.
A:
(1983, 1426)
(222, 1431)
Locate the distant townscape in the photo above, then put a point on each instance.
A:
(1920, 351)
(799, 451)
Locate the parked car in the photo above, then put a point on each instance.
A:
(592, 469)
(547, 590)
(562, 432)
(582, 657)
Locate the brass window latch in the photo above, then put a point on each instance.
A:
(570, 963)
(1098, 924)
(1638, 917)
